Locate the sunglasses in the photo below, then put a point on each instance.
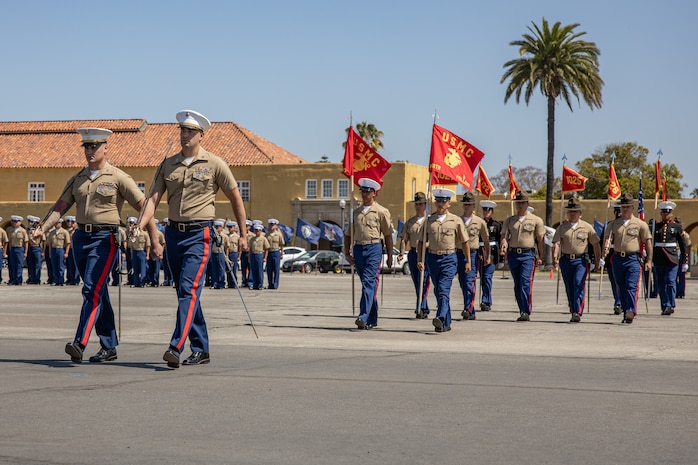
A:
(665, 210)
(367, 189)
(487, 209)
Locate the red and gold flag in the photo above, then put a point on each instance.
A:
(361, 160)
(665, 190)
(452, 158)
(657, 178)
(483, 186)
(571, 180)
(613, 186)
(513, 186)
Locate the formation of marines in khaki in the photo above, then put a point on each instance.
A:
(440, 246)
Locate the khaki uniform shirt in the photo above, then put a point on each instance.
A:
(523, 233)
(18, 236)
(191, 190)
(410, 231)
(233, 240)
(445, 236)
(141, 242)
(478, 232)
(627, 237)
(575, 239)
(258, 244)
(38, 241)
(224, 243)
(3, 238)
(99, 200)
(59, 238)
(371, 225)
(276, 240)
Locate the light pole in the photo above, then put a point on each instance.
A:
(342, 205)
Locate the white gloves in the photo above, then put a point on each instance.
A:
(500, 265)
(684, 267)
(591, 267)
(601, 262)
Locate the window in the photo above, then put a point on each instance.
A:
(244, 188)
(141, 185)
(311, 188)
(342, 188)
(327, 186)
(36, 192)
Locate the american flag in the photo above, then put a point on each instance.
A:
(640, 203)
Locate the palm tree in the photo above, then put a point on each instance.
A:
(560, 64)
(369, 133)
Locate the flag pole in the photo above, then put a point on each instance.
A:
(424, 236)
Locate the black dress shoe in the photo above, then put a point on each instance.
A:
(361, 324)
(438, 325)
(75, 351)
(171, 356)
(197, 358)
(104, 355)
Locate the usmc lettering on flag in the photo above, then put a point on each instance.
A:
(453, 157)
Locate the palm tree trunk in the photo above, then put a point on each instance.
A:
(550, 182)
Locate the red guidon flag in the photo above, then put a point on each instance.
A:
(657, 178)
(513, 186)
(571, 180)
(452, 158)
(613, 186)
(483, 186)
(361, 160)
(665, 190)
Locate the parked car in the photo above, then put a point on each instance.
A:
(291, 253)
(304, 262)
(398, 266)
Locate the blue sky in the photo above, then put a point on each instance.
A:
(293, 71)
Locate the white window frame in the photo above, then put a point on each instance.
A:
(325, 192)
(36, 192)
(342, 185)
(311, 188)
(244, 188)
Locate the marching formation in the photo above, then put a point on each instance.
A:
(196, 250)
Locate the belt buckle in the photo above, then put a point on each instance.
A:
(622, 254)
(181, 227)
(88, 228)
(573, 256)
(519, 250)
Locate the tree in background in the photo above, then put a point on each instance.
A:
(529, 178)
(559, 64)
(369, 133)
(631, 163)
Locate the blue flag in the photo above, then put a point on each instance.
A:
(287, 232)
(400, 225)
(331, 232)
(599, 227)
(307, 232)
(640, 203)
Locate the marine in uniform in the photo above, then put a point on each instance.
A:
(218, 251)
(276, 251)
(98, 192)
(669, 250)
(409, 239)
(191, 178)
(123, 250)
(479, 236)
(608, 262)
(627, 234)
(72, 274)
(233, 253)
(259, 248)
(140, 249)
(494, 230)
(570, 245)
(3, 247)
(245, 279)
(445, 232)
(36, 251)
(59, 240)
(167, 280)
(520, 234)
(683, 264)
(154, 264)
(371, 223)
(19, 246)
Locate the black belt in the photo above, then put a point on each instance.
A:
(573, 256)
(184, 226)
(521, 250)
(90, 228)
(627, 254)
